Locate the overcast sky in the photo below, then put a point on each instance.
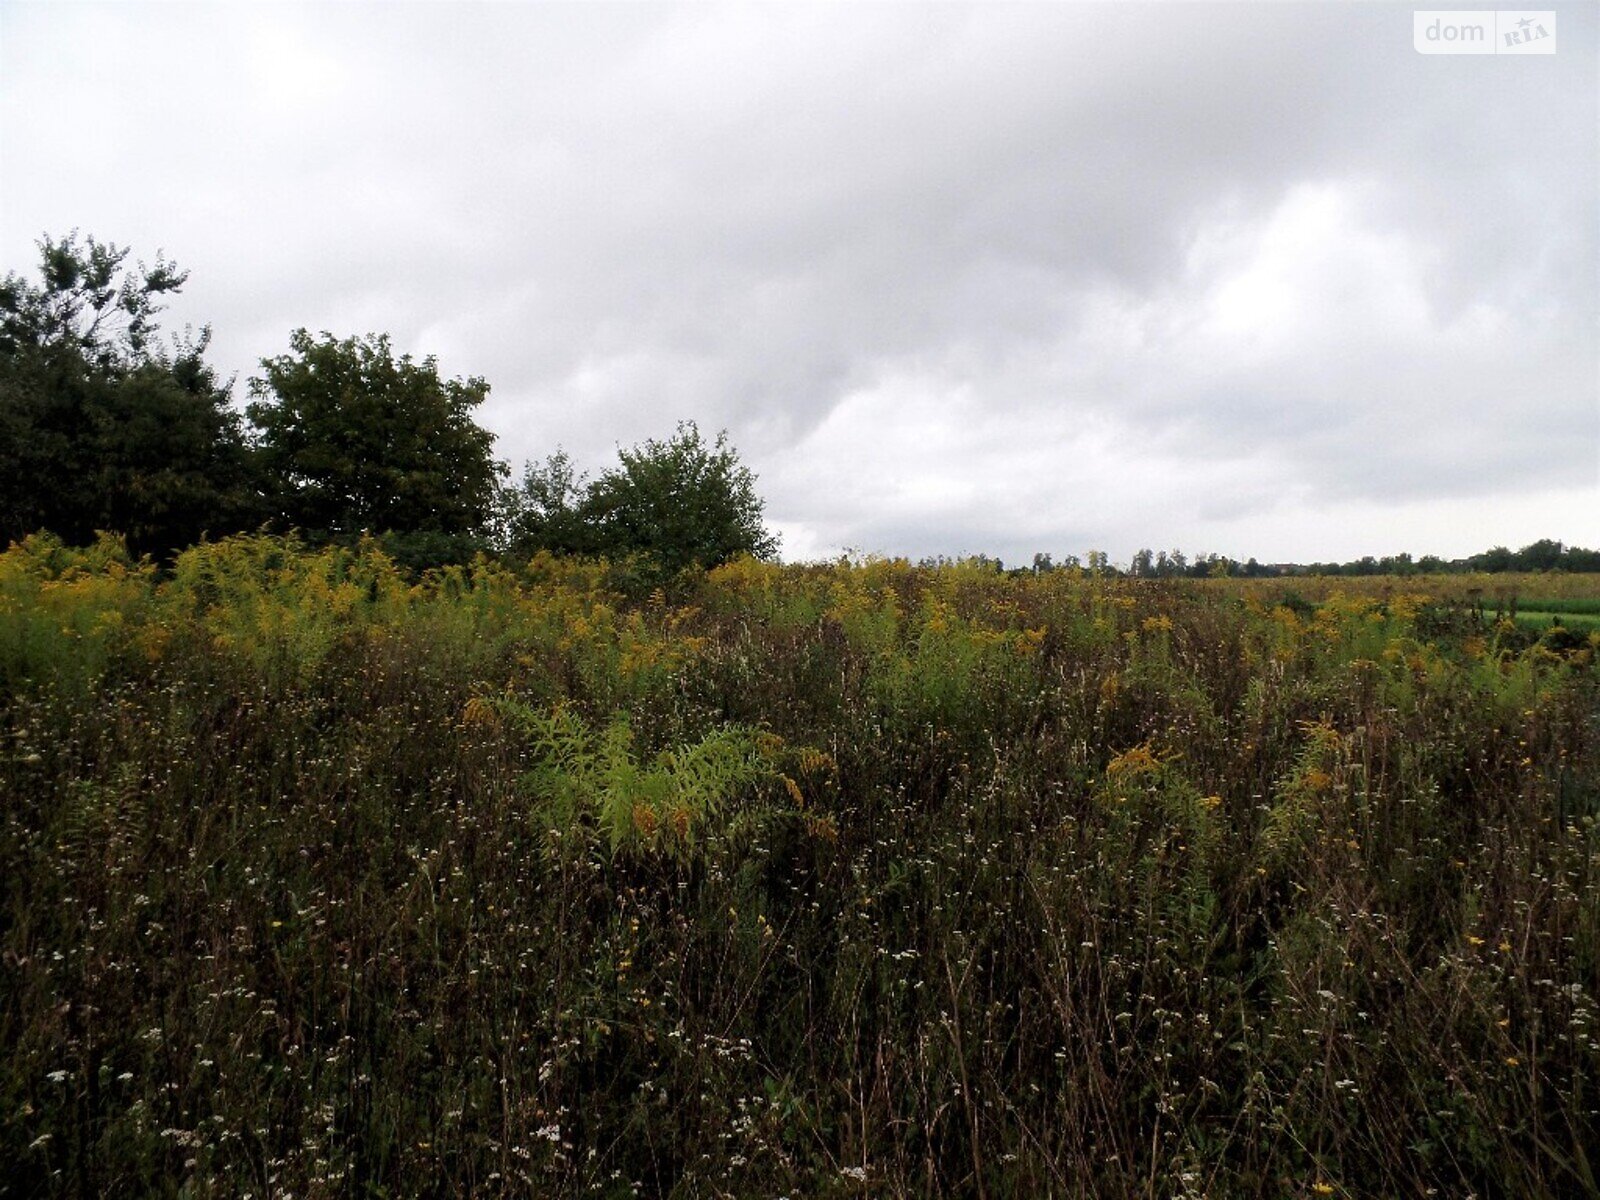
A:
(1249, 278)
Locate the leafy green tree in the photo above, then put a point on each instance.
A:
(547, 510)
(355, 439)
(680, 502)
(1579, 559)
(1543, 555)
(1493, 561)
(103, 427)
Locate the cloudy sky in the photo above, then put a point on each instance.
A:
(1252, 278)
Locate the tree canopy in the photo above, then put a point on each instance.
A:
(680, 502)
(104, 428)
(356, 439)
(547, 511)
(101, 426)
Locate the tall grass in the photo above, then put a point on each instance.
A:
(845, 880)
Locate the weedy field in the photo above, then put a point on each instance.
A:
(861, 879)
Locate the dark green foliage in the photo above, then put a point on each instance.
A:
(667, 506)
(100, 426)
(357, 440)
(88, 301)
(546, 511)
(419, 551)
(680, 502)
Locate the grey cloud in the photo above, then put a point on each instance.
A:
(759, 216)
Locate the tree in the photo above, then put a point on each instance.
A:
(680, 502)
(1543, 555)
(101, 427)
(1579, 559)
(354, 439)
(1492, 561)
(547, 510)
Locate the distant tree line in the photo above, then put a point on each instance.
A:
(1543, 555)
(104, 427)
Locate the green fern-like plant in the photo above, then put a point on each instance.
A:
(663, 805)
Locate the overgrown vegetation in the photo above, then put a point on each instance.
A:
(675, 504)
(102, 428)
(101, 425)
(833, 880)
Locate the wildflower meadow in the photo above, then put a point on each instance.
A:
(322, 878)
